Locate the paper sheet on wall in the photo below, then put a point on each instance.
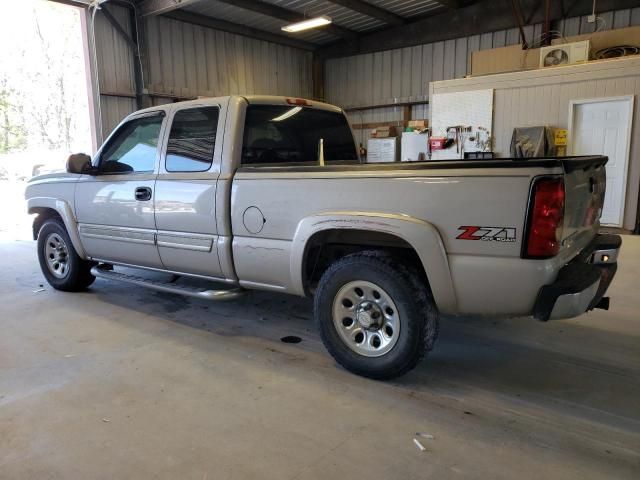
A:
(473, 109)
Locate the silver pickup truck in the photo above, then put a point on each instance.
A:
(259, 192)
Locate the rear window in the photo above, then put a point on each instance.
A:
(279, 134)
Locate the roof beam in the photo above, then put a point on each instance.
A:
(158, 7)
(372, 11)
(481, 17)
(291, 16)
(225, 26)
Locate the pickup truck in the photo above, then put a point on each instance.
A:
(269, 193)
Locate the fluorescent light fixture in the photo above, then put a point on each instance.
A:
(289, 113)
(307, 24)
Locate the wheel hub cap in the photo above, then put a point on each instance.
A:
(57, 255)
(366, 318)
(368, 315)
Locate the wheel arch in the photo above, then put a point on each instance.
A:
(355, 231)
(47, 208)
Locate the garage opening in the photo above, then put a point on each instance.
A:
(44, 105)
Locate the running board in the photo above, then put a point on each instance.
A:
(106, 271)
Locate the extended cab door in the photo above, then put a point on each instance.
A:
(114, 207)
(185, 208)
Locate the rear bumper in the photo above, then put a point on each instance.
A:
(582, 283)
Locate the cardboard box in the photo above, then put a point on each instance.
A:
(418, 124)
(380, 150)
(513, 58)
(606, 38)
(383, 132)
(504, 59)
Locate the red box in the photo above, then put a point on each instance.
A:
(437, 143)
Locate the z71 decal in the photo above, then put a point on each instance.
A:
(488, 234)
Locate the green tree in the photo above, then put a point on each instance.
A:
(13, 135)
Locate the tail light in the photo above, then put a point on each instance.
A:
(298, 101)
(546, 213)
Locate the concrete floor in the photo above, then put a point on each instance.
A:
(121, 382)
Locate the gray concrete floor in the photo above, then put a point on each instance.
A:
(121, 382)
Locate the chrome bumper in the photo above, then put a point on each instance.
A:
(582, 283)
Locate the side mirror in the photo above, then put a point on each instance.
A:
(79, 163)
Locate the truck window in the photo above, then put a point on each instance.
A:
(133, 148)
(192, 140)
(279, 134)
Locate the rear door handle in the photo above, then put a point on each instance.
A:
(143, 194)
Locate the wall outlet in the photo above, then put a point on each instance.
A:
(591, 18)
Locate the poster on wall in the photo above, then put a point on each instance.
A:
(463, 120)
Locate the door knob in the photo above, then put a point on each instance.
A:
(143, 194)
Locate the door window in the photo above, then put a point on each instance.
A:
(192, 140)
(133, 148)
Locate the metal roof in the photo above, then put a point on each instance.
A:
(359, 17)
(231, 13)
(408, 8)
(340, 15)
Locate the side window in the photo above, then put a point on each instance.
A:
(279, 134)
(133, 148)
(192, 140)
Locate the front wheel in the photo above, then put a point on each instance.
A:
(375, 316)
(60, 263)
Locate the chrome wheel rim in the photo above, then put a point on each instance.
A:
(366, 318)
(57, 255)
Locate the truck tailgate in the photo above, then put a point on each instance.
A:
(585, 182)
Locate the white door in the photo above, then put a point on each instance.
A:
(603, 127)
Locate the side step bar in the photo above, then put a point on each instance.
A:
(106, 271)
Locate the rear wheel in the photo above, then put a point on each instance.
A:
(59, 261)
(375, 315)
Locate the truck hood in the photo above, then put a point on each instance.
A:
(54, 176)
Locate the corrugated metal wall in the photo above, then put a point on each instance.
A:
(185, 60)
(115, 69)
(189, 60)
(403, 75)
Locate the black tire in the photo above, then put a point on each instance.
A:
(417, 313)
(77, 273)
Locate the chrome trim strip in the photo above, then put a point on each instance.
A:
(199, 243)
(121, 234)
(261, 286)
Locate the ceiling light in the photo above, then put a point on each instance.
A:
(307, 24)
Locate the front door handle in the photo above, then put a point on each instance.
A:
(143, 194)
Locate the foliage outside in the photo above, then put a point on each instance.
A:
(43, 93)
